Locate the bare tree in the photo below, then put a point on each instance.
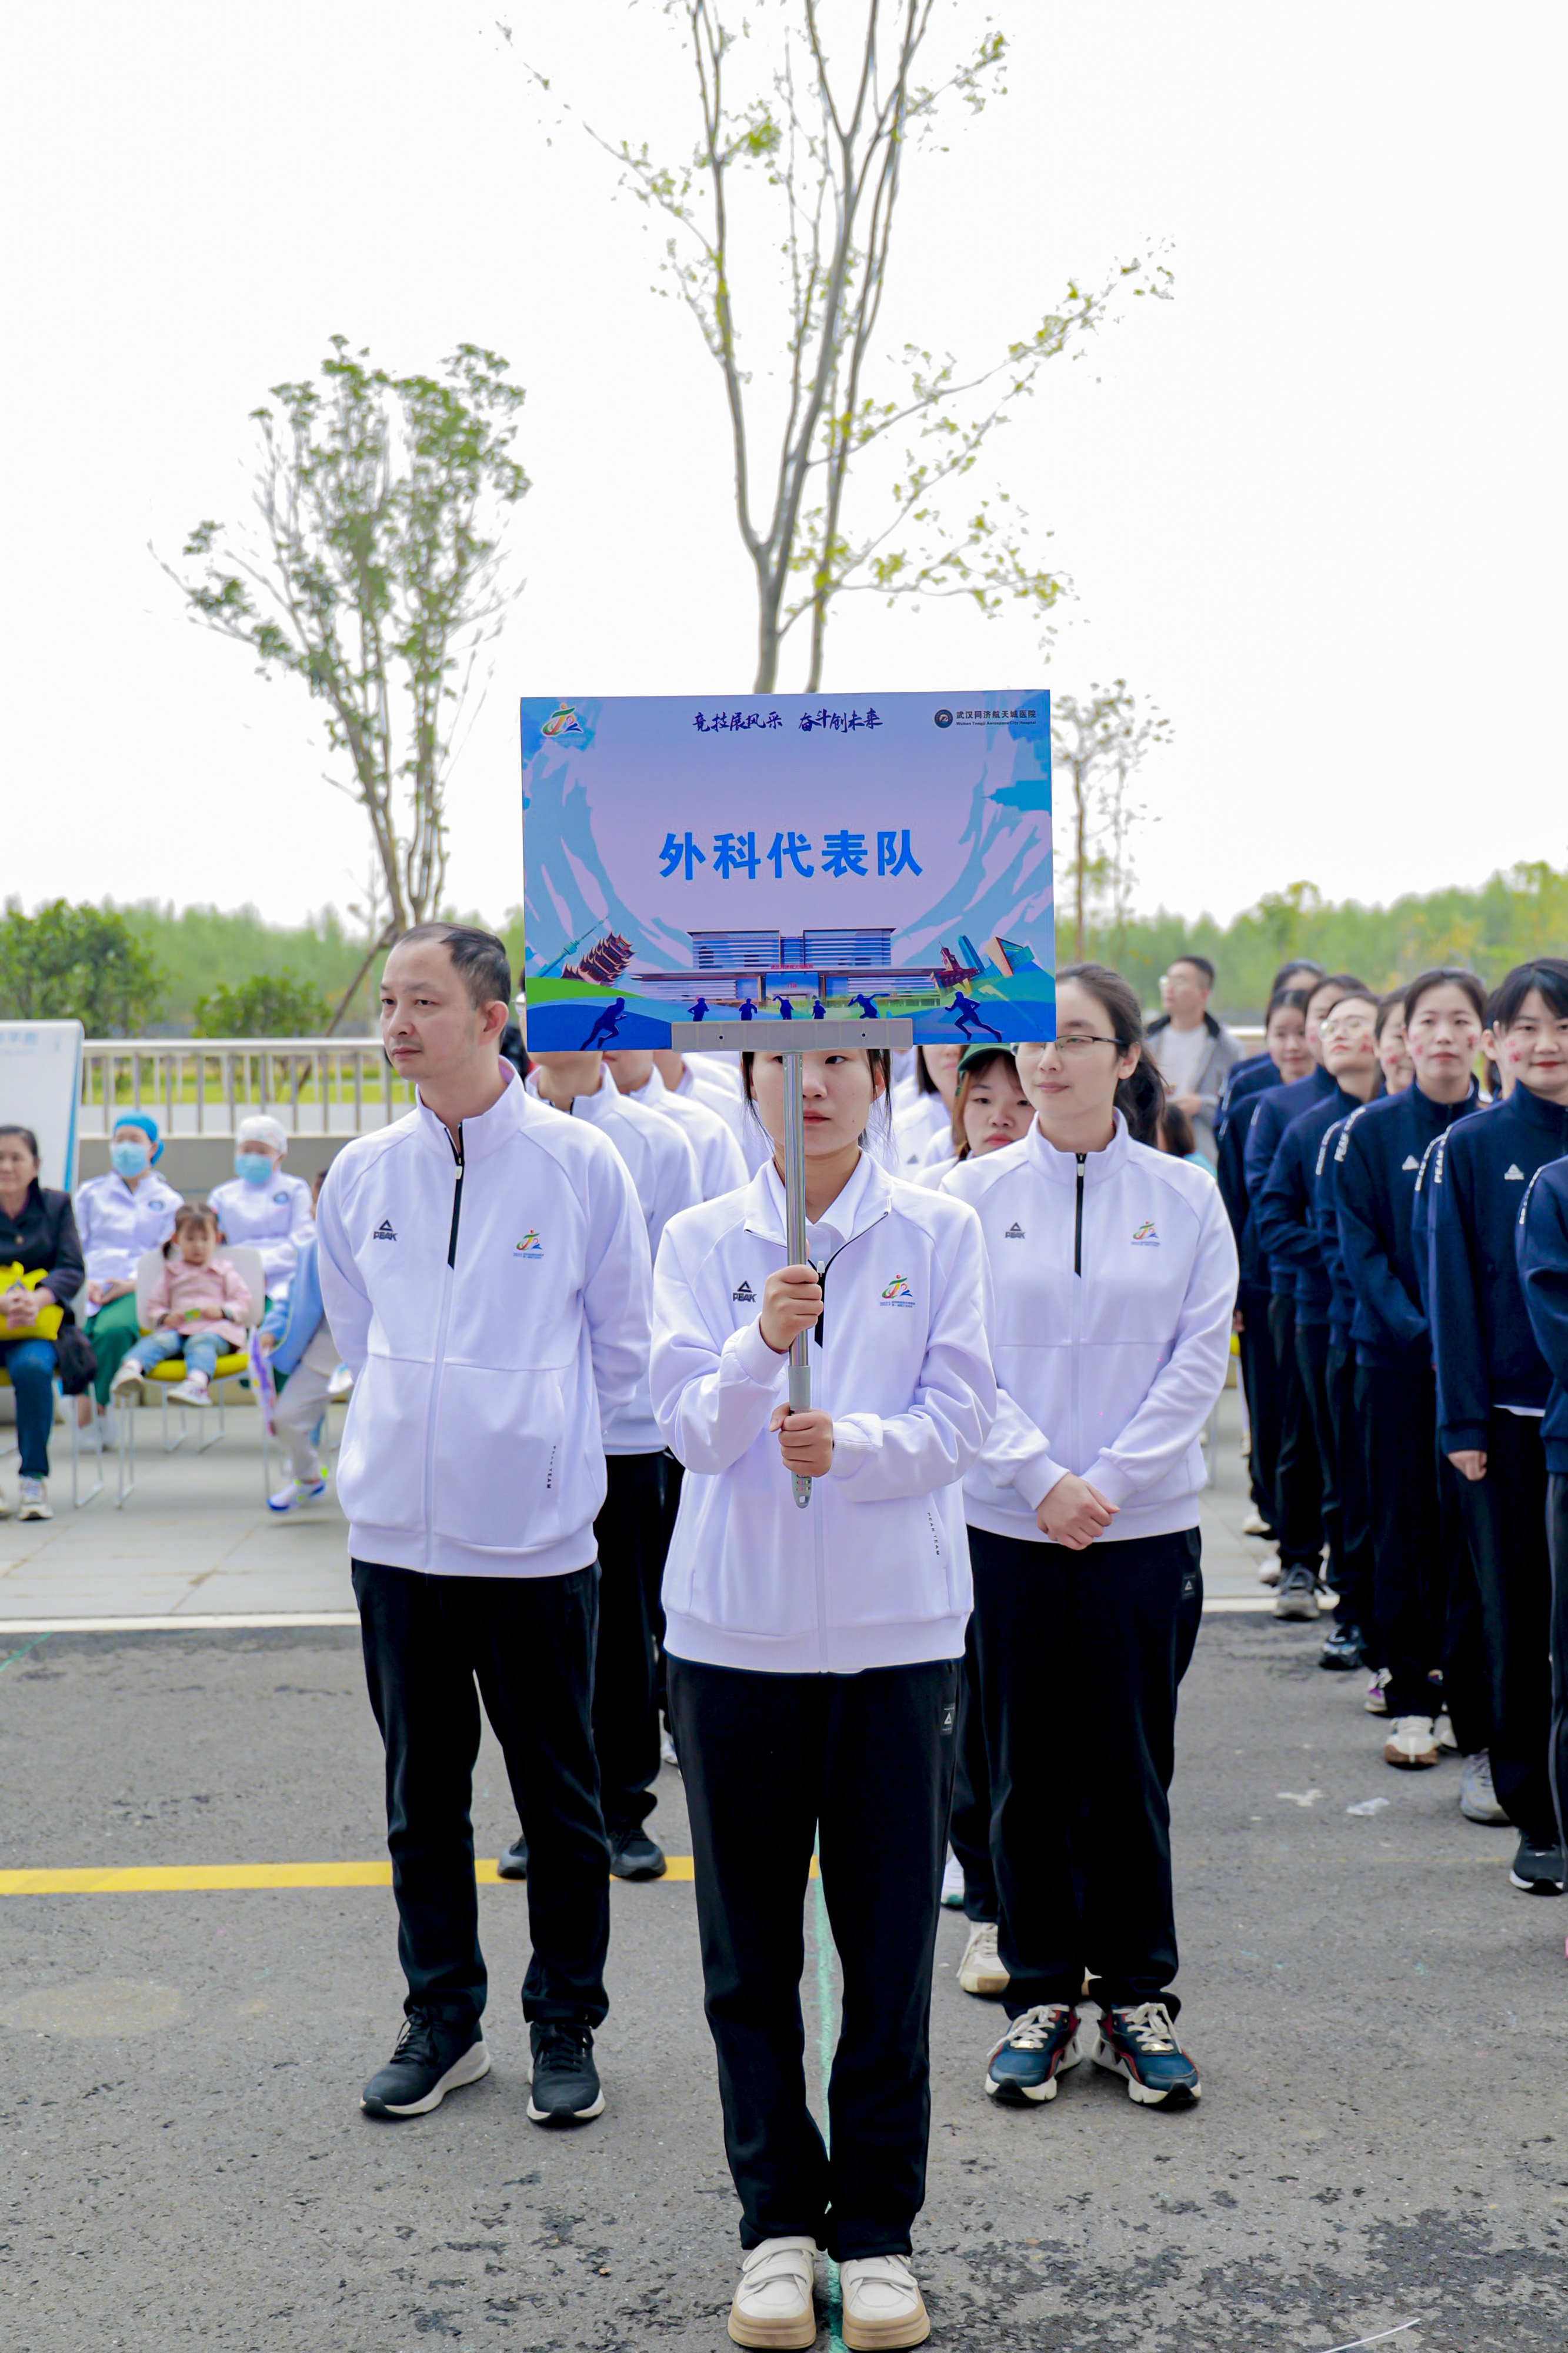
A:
(376, 578)
(1097, 745)
(830, 146)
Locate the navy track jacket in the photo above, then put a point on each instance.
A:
(1248, 1081)
(1275, 1111)
(1325, 1217)
(1378, 1161)
(1485, 1348)
(1541, 1245)
(1285, 1215)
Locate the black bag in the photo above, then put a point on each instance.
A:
(77, 1358)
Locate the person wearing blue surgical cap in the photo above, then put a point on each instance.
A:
(118, 1217)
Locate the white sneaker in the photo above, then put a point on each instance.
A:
(341, 1385)
(33, 1500)
(296, 1491)
(1268, 1570)
(129, 1376)
(1376, 1700)
(772, 2303)
(981, 1971)
(1255, 1524)
(1477, 1798)
(192, 1390)
(667, 1754)
(1445, 1739)
(952, 1883)
(882, 2304)
(1411, 1742)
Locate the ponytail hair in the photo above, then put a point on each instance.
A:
(1140, 1097)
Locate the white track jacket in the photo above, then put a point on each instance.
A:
(1114, 1275)
(493, 1319)
(875, 1573)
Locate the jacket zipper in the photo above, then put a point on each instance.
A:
(1076, 1308)
(1076, 1221)
(439, 1365)
(819, 1553)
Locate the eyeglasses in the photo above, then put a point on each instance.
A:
(1079, 1042)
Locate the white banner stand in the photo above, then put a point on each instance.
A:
(40, 1087)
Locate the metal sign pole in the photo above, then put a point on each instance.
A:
(795, 1242)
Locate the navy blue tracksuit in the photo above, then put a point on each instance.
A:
(1299, 1472)
(1349, 1451)
(1259, 1374)
(1419, 1579)
(1287, 1230)
(1541, 1245)
(1492, 1388)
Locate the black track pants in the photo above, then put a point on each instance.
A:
(1397, 1410)
(1311, 1346)
(528, 1644)
(1297, 1473)
(1260, 1379)
(969, 1832)
(863, 1764)
(629, 1532)
(1081, 1818)
(1506, 1514)
(1557, 1550)
(1357, 1568)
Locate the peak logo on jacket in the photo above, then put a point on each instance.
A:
(745, 1294)
(384, 1232)
(530, 1246)
(897, 1293)
(1410, 1161)
(1513, 1174)
(1145, 1236)
(1014, 1232)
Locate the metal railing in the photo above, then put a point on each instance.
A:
(206, 1086)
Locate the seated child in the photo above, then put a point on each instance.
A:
(296, 1332)
(199, 1301)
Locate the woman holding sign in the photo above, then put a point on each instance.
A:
(813, 1668)
(1115, 1279)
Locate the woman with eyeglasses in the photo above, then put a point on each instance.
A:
(1493, 1385)
(1114, 1273)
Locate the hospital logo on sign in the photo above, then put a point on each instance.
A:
(530, 1246)
(563, 722)
(1144, 1236)
(897, 1293)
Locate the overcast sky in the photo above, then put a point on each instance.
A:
(1313, 509)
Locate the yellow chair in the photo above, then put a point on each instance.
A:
(233, 1366)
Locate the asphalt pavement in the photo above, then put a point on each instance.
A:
(1382, 2145)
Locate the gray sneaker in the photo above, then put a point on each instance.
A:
(1477, 1798)
(1298, 1594)
(33, 1500)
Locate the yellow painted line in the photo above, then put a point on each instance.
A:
(209, 1878)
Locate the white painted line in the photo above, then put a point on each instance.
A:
(191, 1624)
(1381, 2338)
(1237, 1605)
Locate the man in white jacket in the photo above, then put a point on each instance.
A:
(484, 1266)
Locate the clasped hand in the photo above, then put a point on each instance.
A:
(1074, 1512)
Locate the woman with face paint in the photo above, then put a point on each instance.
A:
(1493, 1385)
(812, 1660)
(1114, 1273)
(1417, 1574)
(117, 1217)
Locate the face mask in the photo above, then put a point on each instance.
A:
(129, 1159)
(255, 1168)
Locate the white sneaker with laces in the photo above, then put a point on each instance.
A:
(192, 1390)
(1411, 1742)
(1268, 1571)
(981, 1972)
(952, 1883)
(1376, 1700)
(667, 1754)
(883, 2302)
(1255, 1524)
(296, 1491)
(33, 1500)
(129, 1376)
(772, 2303)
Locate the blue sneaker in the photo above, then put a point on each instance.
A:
(1142, 2045)
(294, 1491)
(1035, 2050)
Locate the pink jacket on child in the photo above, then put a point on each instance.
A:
(201, 1297)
